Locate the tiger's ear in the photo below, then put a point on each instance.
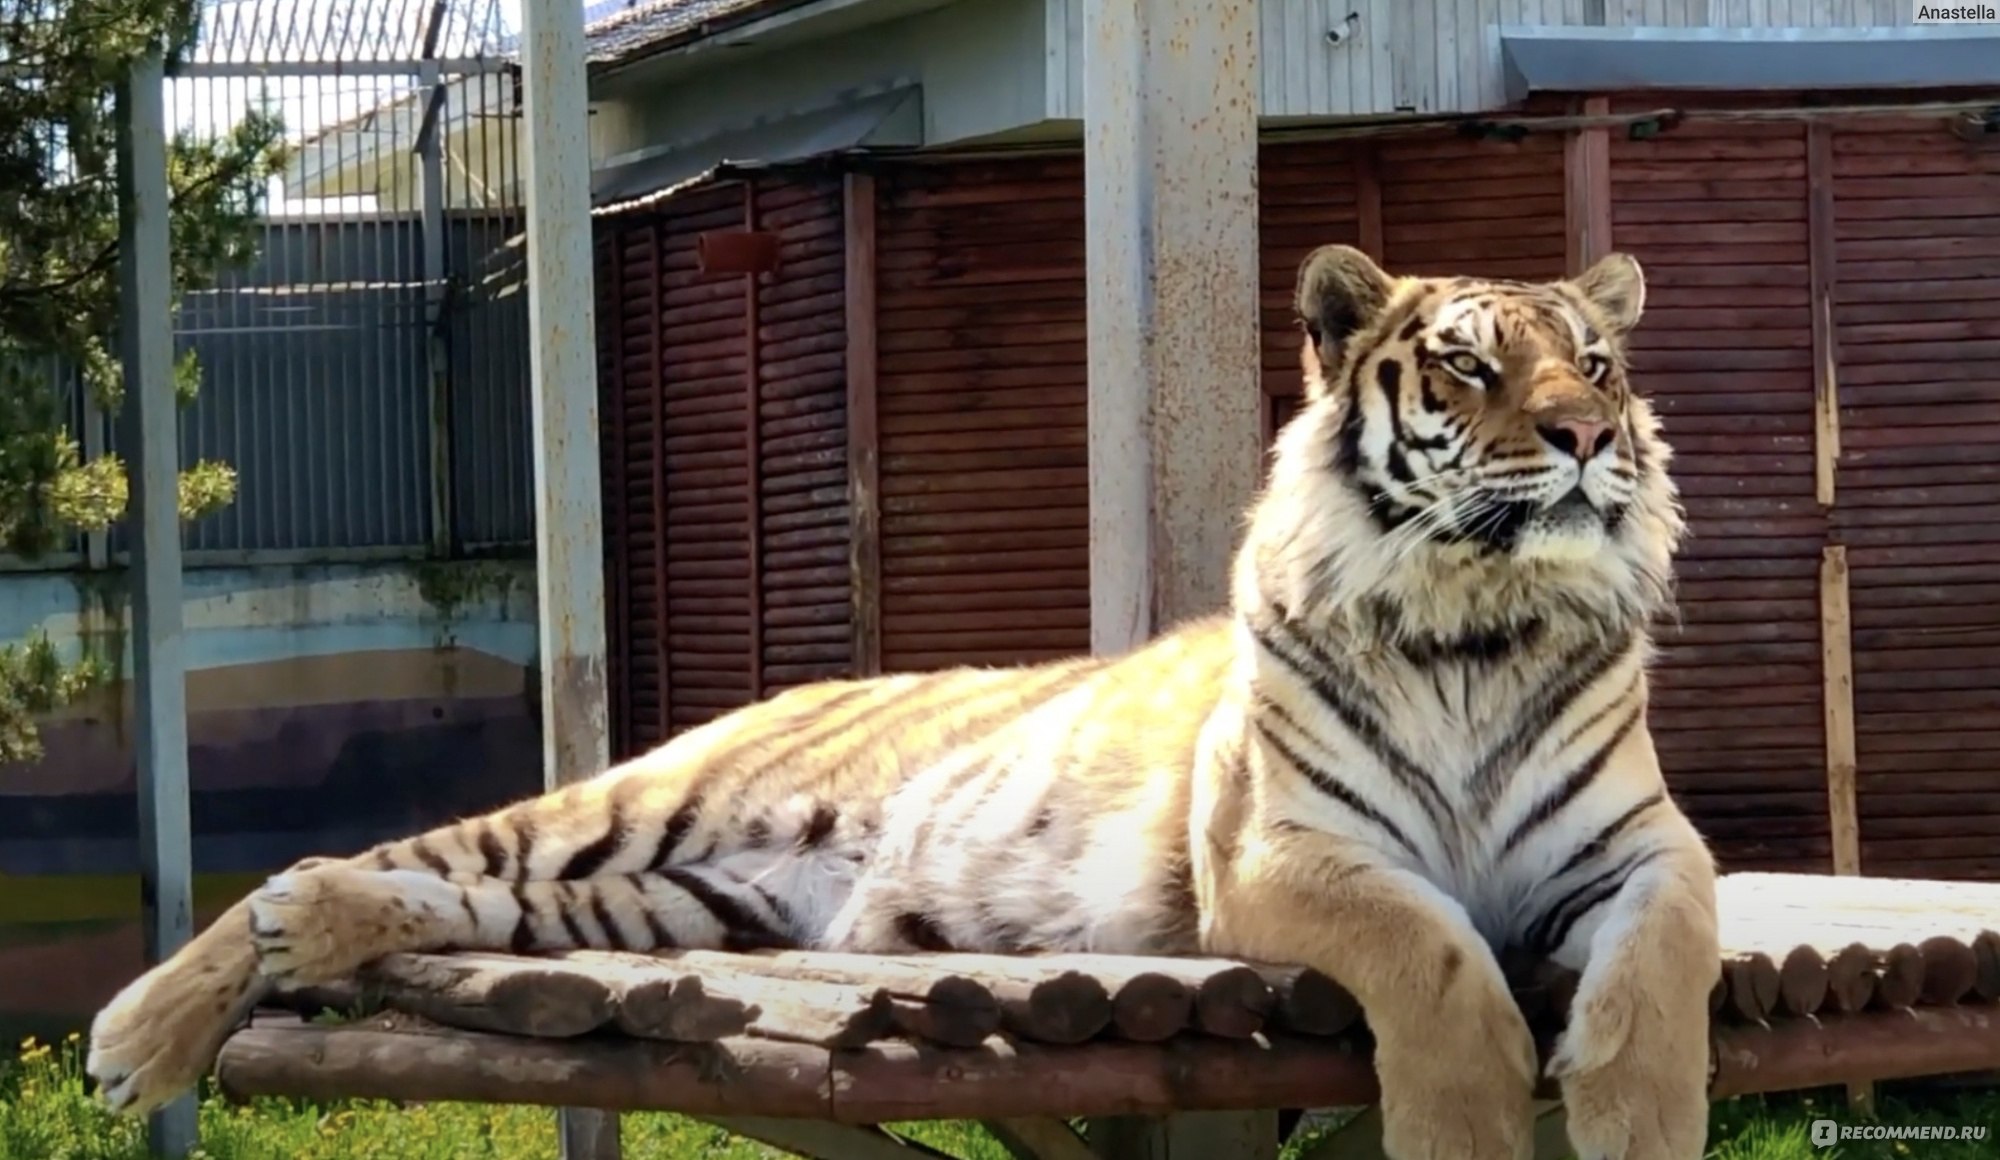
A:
(1617, 287)
(1341, 290)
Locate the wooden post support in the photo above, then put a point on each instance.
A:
(1186, 1136)
(1587, 190)
(864, 497)
(569, 524)
(819, 1140)
(1171, 258)
(151, 444)
(1038, 1138)
(1837, 665)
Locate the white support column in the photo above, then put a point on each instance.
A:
(569, 524)
(151, 443)
(1170, 169)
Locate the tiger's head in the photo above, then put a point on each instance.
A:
(1469, 449)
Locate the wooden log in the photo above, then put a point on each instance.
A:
(646, 1002)
(376, 1060)
(1753, 985)
(1227, 998)
(1950, 968)
(1802, 982)
(884, 1082)
(1899, 977)
(817, 1138)
(1986, 953)
(1232, 1000)
(923, 1001)
(1870, 1047)
(1850, 978)
(1041, 1000)
(895, 1081)
(478, 992)
(1038, 1138)
(682, 1010)
(1148, 1007)
(1309, 1002)
(790, 1010)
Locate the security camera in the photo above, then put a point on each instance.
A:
(1344, 31)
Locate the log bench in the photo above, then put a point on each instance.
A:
(1823, 981)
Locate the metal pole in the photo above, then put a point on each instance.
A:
(430, 155)
(151, 439)
(569, 525)
(1170, 171)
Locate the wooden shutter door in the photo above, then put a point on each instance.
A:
(703, 344)
(1491, 209)
(1917, 503)
(980, 329)
(629, 387)
(804, 611)
(1717, 214)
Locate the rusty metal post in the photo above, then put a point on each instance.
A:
(569, 522)
(1170, 170)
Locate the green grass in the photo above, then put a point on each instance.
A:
(46, 1113)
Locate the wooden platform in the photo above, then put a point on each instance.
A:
(1824, 980)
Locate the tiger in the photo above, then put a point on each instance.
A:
(1414, 740)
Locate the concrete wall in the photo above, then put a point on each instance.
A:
(329, 707)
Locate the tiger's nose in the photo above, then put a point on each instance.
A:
(1581, 438)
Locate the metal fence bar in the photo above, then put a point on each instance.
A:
(569, 526)
(430, 152)
(166, 876)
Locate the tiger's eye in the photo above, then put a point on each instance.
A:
(1464, 364)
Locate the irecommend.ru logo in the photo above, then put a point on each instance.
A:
(1827, 1133)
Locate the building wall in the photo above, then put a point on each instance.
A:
(329, 707)
(1438, 56)
(980, 63)
(1013, 69)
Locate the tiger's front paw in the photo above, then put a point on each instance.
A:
(1458, 1083)
(321, 925)
(1633, 1065)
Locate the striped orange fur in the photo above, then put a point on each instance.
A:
(1416, 738)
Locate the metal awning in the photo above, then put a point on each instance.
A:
(884, 120)
(1549, 59)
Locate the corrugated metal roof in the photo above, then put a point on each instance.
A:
(620, 33)
(1540, 59)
